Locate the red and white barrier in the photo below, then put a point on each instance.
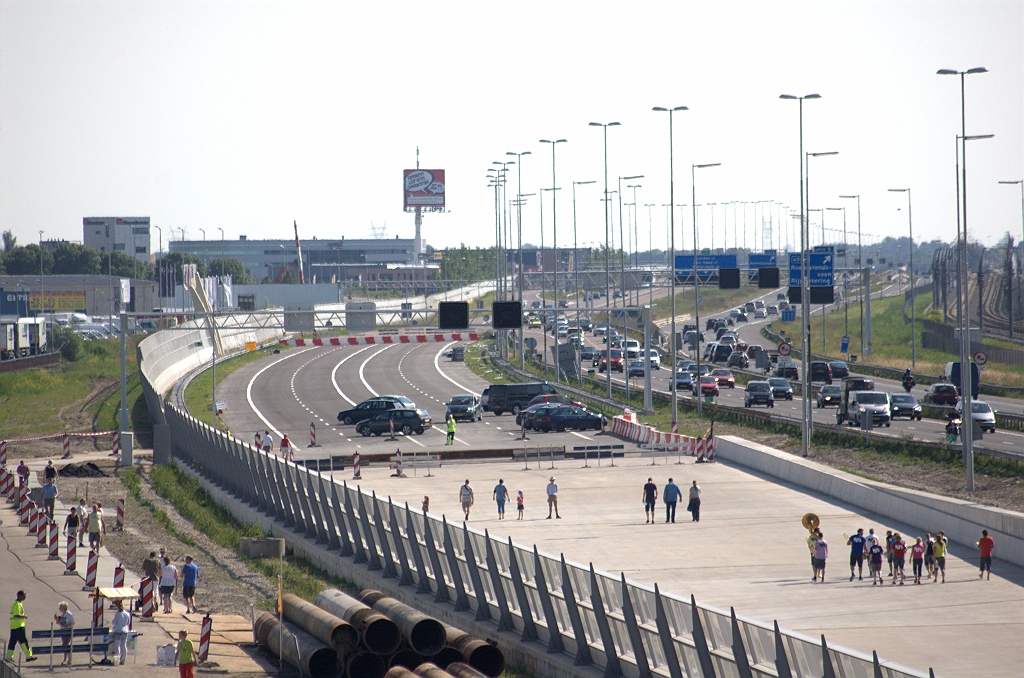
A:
(116, 446)
(23, 504)
(146, 592)
(119, 576)
(66, 440)
(54, 538)
(3, 453)
(33, 518)
(97, 611)
(204, 638)
(119, 524)
(626, 426)
(258, 440)
(398, 463)
(71, 561)
(384, 339)
(42, 528)
(8, 486)
(355, 467)
(91, 568)
(312, 434)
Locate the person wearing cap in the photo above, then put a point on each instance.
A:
(552, 498)
(466, 497)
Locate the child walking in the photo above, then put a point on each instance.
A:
(519, 504)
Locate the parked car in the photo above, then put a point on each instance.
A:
(406, 421)
(725, 378)
(739, 360)
(566, 417)
(683, 381)
(904, 405)
(781, 388)
(942, 394)
(820, 371)
(372, 407)
(465, 406)
(982, 415)
(635, 368)
(708, 386)
(758, 393)
(839, 369)
(616, 360)
(526, 415)
(555, 399)
(787, 370)
(829, 396)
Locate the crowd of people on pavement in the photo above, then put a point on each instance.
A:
(670, 495)
(927, 556)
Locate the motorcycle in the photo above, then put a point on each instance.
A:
(953, 427)
(908, 384)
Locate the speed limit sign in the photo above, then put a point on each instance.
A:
(785, 350)
(980, 358)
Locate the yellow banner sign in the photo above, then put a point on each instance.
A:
(250, 346)
(58, 301)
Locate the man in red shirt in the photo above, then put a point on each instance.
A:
(985, 546)
(899, 557)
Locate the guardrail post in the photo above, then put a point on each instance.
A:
(629, 616)
(461, 599)
(371, 547)
(739, 650)
(308, 514)
(382, 536)
(700, 642)
(505, 622)
(346, 543)
(441, 594)
(422, 582)
(876, 667)
(612, 668)
(668, 645)
(286, 493)
(278, 510)
(827, 670)
(353, 524)
(555, 643)
(583, 656)
(315, 513)
(255, 484)
(293, 487)
(529, 626)
(483, 608)
(328, 511)
(781, 659)
(405, 578)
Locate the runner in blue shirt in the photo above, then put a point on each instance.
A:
(856, 544)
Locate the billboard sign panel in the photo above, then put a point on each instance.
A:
(821, 269)
(707, 264)
(423, 188)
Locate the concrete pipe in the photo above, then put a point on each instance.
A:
(399, 672)
(364, 665)
(321, 624)
(406, 657)
(460, 670)
(478, 653)
(314, 658)
(422, 633)
(379, 634)
(430, 670)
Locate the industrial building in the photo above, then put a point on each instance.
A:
(118, 234)
(94, 295)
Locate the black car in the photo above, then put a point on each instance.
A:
(406, 421)
(839, 369)
(741, 318)
(588, 354)
(781, 388)
(904, 405)
(566, 417)
(829, 396)
(787, 370)
(465, 406)
(369, 408)
(738, 359)
(759, 393)
(820, 371)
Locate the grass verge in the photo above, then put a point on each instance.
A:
(198, 391)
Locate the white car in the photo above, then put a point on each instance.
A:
(758, 314)
(655, 358)
(981, 413)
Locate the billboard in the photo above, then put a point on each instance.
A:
(58, 301)
(423, 188)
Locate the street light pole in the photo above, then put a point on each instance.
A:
(860, 267)
(846, 274)
(1021, 184)
(554, 227)
(696, 280)
(519, 228)
(636, 238)
(650, 251)
(607, 279)
(575, 244)
(622, 242)
(42, 294)
(913, 315)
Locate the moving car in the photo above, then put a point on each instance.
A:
(725, 378)
(372, 407)
(406, 421)
(588, 354)
(904, 405)
(758, 393)
(982, 415)
(753, 349)
(722, 353)
(683, 380)
(759, 314)
(829, 396)
(781, 388)
(848, 390)
(739, 360)
(565, 417)
(782, 295)
(869, 403)
(635, 368)
(534, 323)
(839, 369)
(464, 406)
(654, 358)
(499, 398)
(741, 318)
(616, 360)
(585, 324)
(600, 330)
(773, 310)
(708, 386)
(787, 370)
(820, 371)
(942, 394)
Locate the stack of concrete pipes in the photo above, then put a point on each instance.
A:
(373, 636)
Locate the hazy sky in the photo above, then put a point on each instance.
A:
(247, 115)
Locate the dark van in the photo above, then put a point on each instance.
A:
(514, 397)
(952, 375)
(722, 353)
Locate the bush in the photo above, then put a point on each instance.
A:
(70, 343)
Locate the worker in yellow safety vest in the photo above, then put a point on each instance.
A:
(18, 621)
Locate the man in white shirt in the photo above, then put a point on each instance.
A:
(466, 497)
(268, 442)
(552, 498)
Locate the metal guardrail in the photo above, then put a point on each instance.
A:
(8, 669)
(621, 627)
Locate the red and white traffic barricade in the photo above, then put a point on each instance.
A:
(119, 524)
(116, 445)
(91, 568)
(54, 541)
(97, 611)
(312, 434)
(384, 339)
(398, 464)
(355, 467)
(146, 587)
(71, 561)
(23, 504)
(66, 441)
(7, 486)
(118, 582)
(204, 638)
(3, 453)
(257, 440)
(42, 527)
(33, 518)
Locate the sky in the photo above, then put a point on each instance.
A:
(245, 116)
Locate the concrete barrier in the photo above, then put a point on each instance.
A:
(961, 520)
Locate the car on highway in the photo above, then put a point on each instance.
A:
(725, 378)
(749, 307)
(653, 357)
(758, 393)
(372, 407)
(585, 324)
(691, 338)
(534, 323)
(562, 331)
(759, 314)
(839, 369)
(739, 360)
(709, 324)
(773, 310)
(464, 406)
(600, 330)
(683, 381)
(406, 422)
(566, 417)
(941, 394)
(741, 318)
(787, 370)
(904, 405)
(563, 304)
(526, 415)
(982, 415)
(534, 304)
(553, 399)
(588, 354)
(752, 350)
(758, 303)
(636, 368)
(709, 348)
(734, 312)
(781, 388)
(632, 348)
(704, 369)
(708, 386)
(829, 396)
(820, 371)
(685, 363)
(616, 359)
(782, 295)
(869, 403)
(500, 398)
(722, 353)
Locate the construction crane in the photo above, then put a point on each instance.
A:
(298, 252)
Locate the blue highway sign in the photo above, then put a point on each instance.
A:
(789, 315)
(766, 260)
(706, 263)
(845, 348)
(821, 265)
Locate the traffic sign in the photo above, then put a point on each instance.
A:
(766, 260)
(845, 348)
(821, 269)
(707, 264)
(824, 249)
(789, 315)
(980, 358)
(785, 349)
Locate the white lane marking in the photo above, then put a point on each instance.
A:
(362, 367)
(334, 375)
(580, 435)
(438, 368)
(248, 391)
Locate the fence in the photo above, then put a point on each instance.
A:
(551, 604)
(8, 669)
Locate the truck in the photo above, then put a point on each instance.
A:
(847, 400)
(8, 347)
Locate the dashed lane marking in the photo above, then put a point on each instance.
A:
(248, 390)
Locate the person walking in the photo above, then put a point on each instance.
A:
(426, 503)
(519, 504)
(501, 496)
(50, 494)
(694, 506)
(65, 622)
(820, 556)
(671, 497)
(23, 472)
(50, 472)
(875, 553)
(119, 628)
(189, 580)
(899, 558)
(83, 521)
(888, 551)
(97, 528)
(929, 554)
(184, 655)
(168, 580)
(650, 496)
(18, 621)
(450, 422)
(466, 497)
(268, 442)
(939, 549)
(856, 544)
(286, 448)
(71, 523)
(552, 491)
(917, 558)
(151, 569)
(985, 546)
(812, 542)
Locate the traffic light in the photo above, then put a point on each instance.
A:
(728, 278)
(506, 315)
(768, 278)
(794, 295)
(453, 315)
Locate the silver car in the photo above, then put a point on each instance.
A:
(981, 413)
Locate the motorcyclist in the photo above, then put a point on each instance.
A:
(908, 381)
